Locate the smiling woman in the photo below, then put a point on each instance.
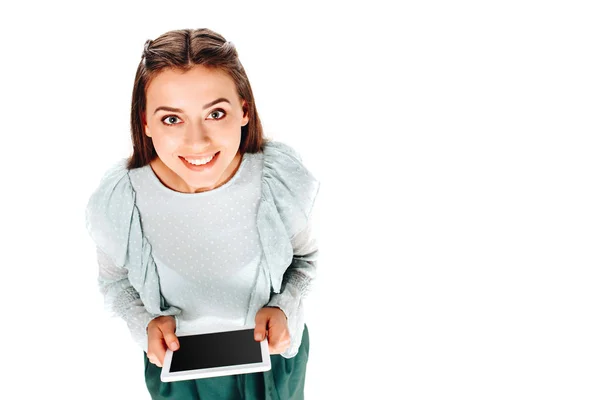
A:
(226, 239)
(194, 119)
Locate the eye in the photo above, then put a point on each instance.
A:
(216, 114)
(169, 118)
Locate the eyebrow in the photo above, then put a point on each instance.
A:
(212, 103)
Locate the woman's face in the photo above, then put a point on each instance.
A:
(194, 115)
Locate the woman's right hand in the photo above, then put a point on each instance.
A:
(161, 331)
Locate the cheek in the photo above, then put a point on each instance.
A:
(233, 122)
(232, 129)
(163, 143)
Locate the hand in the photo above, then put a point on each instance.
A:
(161, 330)
(272, 321)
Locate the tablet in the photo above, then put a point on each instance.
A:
(210, 353)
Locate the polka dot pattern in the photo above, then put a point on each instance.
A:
(205, 245)
(207, 258)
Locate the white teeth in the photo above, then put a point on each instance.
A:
(200, 161)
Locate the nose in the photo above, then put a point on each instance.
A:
(196, 135)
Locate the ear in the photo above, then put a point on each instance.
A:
(145, 126)
(246, 117)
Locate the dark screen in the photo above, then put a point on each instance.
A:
(216, 350)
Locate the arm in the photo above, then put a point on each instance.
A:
(296, 285)
(122, 299)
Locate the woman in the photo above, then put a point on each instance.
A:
(207, 223)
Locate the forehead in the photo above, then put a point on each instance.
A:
(199, 83)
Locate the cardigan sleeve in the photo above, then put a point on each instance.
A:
(127, 272)
(293, 190)
(121, 299)
(296, 285)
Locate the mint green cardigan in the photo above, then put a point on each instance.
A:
(129, 278)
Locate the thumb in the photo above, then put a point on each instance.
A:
(261, 327)
(171, 340)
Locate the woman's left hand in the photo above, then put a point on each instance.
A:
(272, 321)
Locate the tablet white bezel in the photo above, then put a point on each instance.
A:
(265, 365)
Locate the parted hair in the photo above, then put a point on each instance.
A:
(183, 49)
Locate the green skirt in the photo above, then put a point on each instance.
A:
(284, 381)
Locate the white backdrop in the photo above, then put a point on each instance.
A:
(457, 148)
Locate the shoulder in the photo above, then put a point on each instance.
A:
(274, 148)
(109, 208)
(289, 183)
(283, 161)
(113, 175)
(113, 185)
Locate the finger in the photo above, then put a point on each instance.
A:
(160, 355)
(260, 330)
(153, 360)
(157, 349)
(279, 339)
(171, 340)
(273, 334)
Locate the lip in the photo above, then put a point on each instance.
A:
(204, 167)
(199, 156)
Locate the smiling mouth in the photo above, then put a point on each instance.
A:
(200, 167)
(205, 160)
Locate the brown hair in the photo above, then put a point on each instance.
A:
(183, 49)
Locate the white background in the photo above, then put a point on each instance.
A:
(458, 152)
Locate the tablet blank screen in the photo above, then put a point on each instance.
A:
(216, 350)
